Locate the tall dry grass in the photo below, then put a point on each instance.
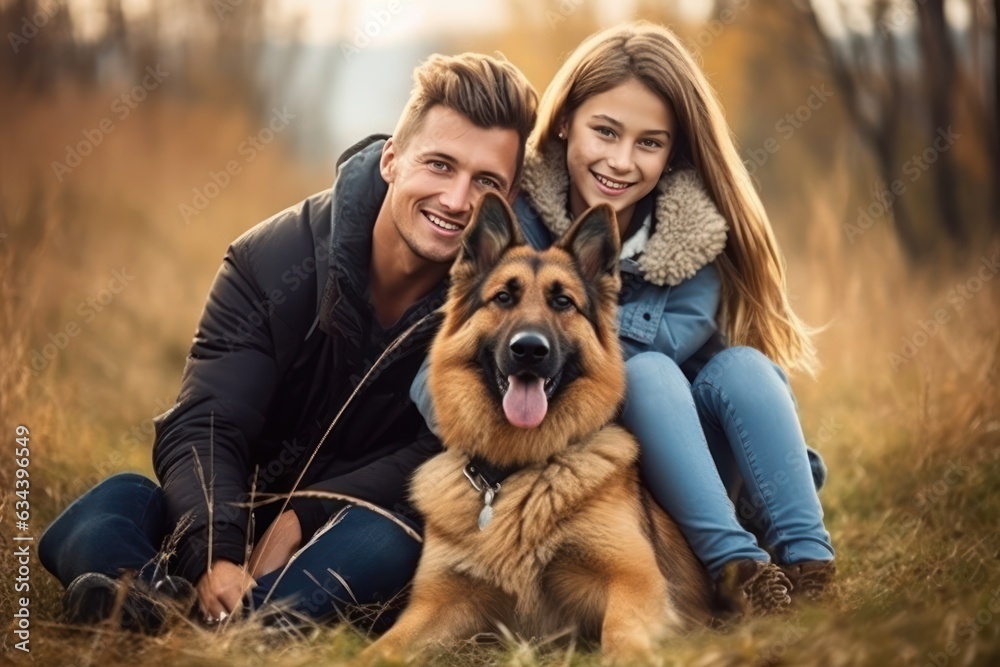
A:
(914, 491)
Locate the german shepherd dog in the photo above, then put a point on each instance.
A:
(535, 518)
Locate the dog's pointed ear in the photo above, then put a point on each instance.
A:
(491, 232)
(593, 241)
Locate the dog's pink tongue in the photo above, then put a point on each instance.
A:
(525, 403)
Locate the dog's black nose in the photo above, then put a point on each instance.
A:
(529, 347)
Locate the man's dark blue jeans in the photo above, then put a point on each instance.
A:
(359, 561)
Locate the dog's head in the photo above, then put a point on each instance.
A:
(527, 360)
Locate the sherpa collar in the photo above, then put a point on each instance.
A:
(690, 232)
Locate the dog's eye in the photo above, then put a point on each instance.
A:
(503, 298)
(562, 302)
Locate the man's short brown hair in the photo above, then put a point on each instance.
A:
(489, 91)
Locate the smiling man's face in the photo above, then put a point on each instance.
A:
(437, 178)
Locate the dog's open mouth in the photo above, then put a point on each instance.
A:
(526, 396)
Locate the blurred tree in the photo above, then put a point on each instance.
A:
(218, 44)
(235, 41)
(941, 69)
(898, 67)
(985, 85)
(40, 44)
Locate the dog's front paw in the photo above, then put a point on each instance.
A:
(380, 654)
(631, 658)
(630, 650)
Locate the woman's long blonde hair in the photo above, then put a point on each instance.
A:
(755, 309)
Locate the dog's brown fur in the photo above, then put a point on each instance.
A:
(576, 543)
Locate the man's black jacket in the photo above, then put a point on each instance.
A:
(285, 336)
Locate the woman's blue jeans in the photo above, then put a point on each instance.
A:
(357, 562)
(731, 434)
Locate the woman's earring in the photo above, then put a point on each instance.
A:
(562, 135)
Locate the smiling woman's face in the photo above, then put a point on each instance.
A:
(618, 143)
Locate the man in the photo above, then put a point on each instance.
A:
(302, 308)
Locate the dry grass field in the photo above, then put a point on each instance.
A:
(912, 440)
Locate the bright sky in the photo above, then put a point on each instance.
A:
(417, 19)
(325, 21)
(332, 21)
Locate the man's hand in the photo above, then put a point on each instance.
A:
(221, 589)
(276, 547)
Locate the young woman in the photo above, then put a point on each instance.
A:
(705, 322)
